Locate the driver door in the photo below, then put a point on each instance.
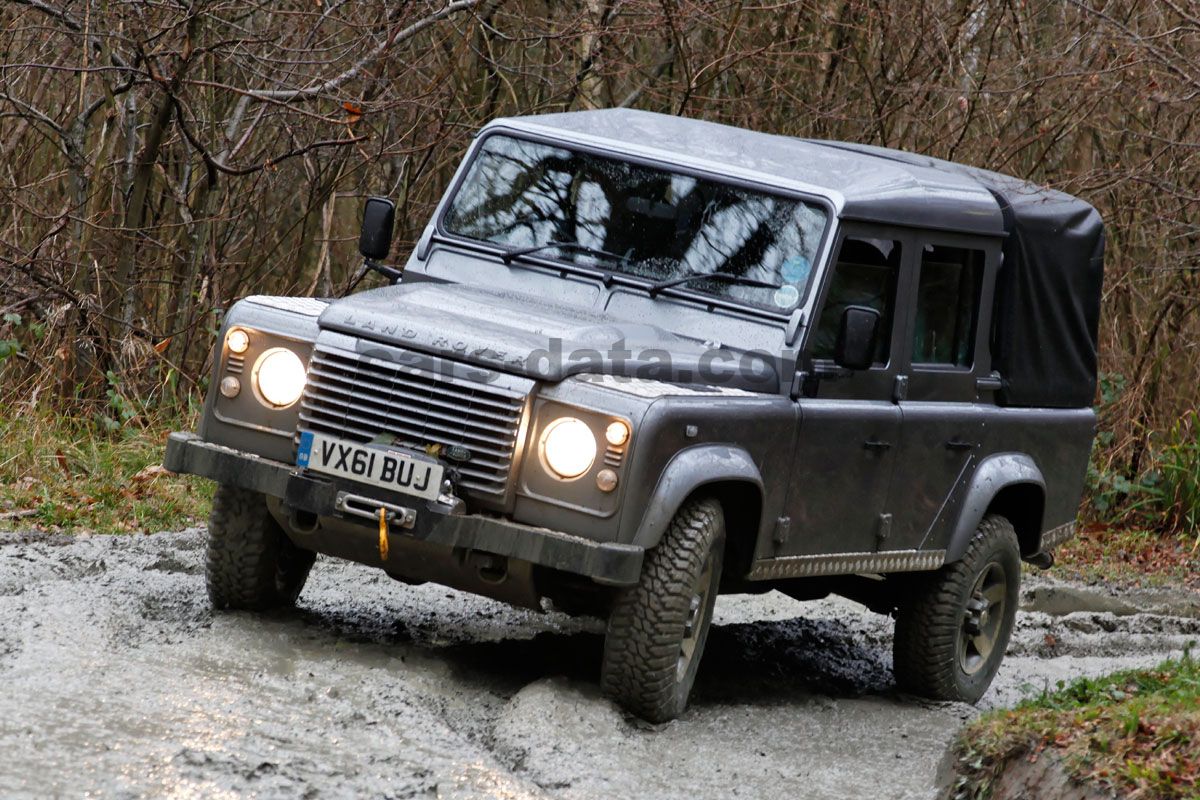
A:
(849, 421)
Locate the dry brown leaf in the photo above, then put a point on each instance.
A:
(61, 457)
(149, 472)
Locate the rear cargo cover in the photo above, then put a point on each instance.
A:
(1048, 292)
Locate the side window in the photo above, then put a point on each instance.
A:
(864, 275)
(947, 306)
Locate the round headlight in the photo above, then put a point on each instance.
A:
(568, 447)
(279, 377)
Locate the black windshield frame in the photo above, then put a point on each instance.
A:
(615, 277)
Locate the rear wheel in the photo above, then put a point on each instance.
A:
(952, 631)
(658, 628)
(251, 564)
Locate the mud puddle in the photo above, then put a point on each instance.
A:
(119, 682)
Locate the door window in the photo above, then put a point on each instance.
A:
(947, 306)
(864, 275)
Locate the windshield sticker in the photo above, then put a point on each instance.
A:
(787, 296)
(795, 270)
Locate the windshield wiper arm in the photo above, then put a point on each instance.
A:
(727, 277)
(508, 257)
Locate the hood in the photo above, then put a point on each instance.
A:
(533, 336)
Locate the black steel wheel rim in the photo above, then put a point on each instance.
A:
(699, 609)
(983, 618)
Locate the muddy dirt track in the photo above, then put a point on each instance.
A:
(116, 680)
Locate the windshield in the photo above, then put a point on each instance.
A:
(661, 224)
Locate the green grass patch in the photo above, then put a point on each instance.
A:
(64, 474)
(1136, 731)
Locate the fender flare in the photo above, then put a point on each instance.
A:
(686, 472)
(994, 474)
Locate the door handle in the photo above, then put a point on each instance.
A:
(875, 444)
(956, 444)
(990, 383)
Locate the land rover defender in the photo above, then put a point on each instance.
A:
(636, 361)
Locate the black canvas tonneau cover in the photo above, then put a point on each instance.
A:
(1048, 294)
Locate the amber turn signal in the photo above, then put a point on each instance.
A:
(606, 480)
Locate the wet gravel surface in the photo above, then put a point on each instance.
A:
(116, 680)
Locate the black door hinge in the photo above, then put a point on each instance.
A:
(783, 528)
(884, 530)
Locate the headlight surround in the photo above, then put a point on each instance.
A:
(279, 377)
(567, 448)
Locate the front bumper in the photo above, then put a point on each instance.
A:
(608, 563)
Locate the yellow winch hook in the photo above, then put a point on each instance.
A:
(383, 534)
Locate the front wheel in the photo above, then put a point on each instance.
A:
(657, 629)
(251, 564)
(952, 632)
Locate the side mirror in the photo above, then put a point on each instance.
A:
(379, 218)
(855, 347)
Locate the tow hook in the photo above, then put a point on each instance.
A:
(383, 534)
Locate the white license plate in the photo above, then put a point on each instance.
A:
(374, 465)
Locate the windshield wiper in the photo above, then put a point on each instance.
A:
(727, 277)
(508, 257)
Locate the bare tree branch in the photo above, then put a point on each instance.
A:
(289, 95)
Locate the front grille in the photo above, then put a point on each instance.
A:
(359, 397)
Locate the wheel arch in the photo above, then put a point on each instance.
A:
(1024, 505)
(1008, 484)
(723, 472)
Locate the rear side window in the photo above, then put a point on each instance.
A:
(864, 275)
(947, 306)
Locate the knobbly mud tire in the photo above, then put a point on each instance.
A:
(251, 564)
(937, 628)
(658, 628)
